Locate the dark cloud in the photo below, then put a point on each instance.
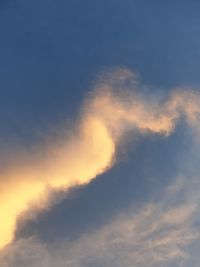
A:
(150, 166)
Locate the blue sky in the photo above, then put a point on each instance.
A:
(53, 55)
(52, 52)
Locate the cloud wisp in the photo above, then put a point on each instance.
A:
(77, 158)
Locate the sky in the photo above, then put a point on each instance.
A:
(99, 133)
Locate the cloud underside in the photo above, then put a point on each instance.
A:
(157, 234)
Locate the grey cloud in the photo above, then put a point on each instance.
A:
(157, 235)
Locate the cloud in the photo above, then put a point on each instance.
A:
(159, 234)
(115, 108)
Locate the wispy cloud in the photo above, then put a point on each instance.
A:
(157, 235)
(89, 150)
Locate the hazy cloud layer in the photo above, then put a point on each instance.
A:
(157, 235)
